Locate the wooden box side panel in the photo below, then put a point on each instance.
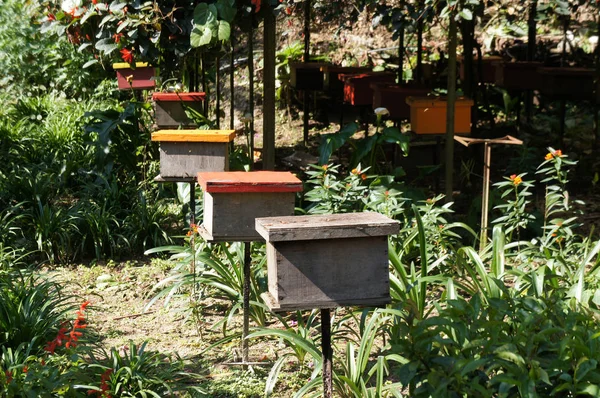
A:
(186, 159)
(207, 213)
(171, 114)
(234, 214)
(331, 273)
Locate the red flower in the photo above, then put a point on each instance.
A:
(256, 4)
(127, 55)
(94, 1)
(51, 17)
(9, 376)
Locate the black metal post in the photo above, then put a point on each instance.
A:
(245, 332)
(192, 202)
(305, 112)
(327, 352)
(231, 87)
(218, 91)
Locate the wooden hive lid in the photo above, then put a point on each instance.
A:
(566, 71)
(175, 97)
(254, 181)
(193, 135)
(125, 65)
(436, 102)
(326, 226)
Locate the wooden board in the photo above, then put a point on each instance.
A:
(126, 65)
(328, 226)
(194, 136)
(171, 115)
(256, 181)
(230, 217)
(186, 159)
(328, 273)
(179, 97)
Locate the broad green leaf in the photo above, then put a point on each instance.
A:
(224, 31)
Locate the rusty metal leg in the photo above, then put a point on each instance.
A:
(327, 352)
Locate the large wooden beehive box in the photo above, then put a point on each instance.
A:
(327, 261)
(233, 200)
(183, 153)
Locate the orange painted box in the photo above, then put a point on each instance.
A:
(183, 153)
(142, 77)
(233, 200)
(357, 88)
(170, 109)
(428, 115)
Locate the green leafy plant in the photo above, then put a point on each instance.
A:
(515, 215)
(135, 371)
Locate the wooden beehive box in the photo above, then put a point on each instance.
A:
(307, 75)
(233, 200)
(183, 153)
(428, 115)
(519, 75)
(357, 88)
(331, 81)
(569, 83)
(143, 76)
(393, 98)
(327, 261)
(169, 109)
(488, 68)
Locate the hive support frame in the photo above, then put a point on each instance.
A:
(327, 352)
(487, 162)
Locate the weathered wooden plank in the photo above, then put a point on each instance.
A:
(231, 216)
(186, 159)
(326, 274)
(257, 181)
(194, 136)
(328, 226)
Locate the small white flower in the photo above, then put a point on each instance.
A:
(382, 112)
(69, 5)
(247, 118)
(39, 117)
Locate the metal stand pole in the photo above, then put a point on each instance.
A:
(192, 202)
(327, 352)
(305, 108)
(245, 332)
(487, 160)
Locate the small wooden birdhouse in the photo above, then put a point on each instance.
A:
(233, 200)
(327, 261)
(183, 153)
